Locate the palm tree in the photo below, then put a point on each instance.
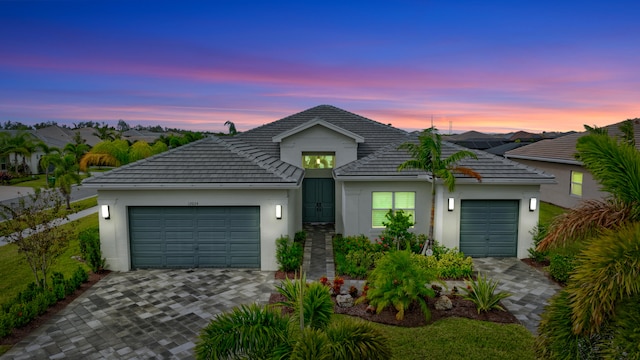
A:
(104, 132)
(232, 127)
(20, 144)
(66, 173)
(77, 150)
(598, 309)
(51, 153)
(427, 156)
(106, 153)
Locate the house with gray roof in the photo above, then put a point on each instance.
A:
(223, 201)
(557, 156)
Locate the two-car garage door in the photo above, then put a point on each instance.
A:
(489, 228)
(188, 237)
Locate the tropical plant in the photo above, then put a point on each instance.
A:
(66, 175)
(399, 282)
(232, 127)
(397, 228)
(427, 155)
(482, 292)
(262, 332)
(19, 144)
(604, 287)
(599, 302)
(105, 132)
(51, 154)
(106, 153)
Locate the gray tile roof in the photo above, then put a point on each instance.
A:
(493, 169)
(375, 134)
(563, 149)
(209, 162)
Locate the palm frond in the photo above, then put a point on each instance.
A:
(98, 159)
(607, 271)
(614, 164)
(586, 220)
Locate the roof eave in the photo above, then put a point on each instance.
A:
(192, 186)
(543, 159)
(309, 124)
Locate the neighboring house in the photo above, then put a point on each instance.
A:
(557, 156)
(222, 202)
(52, 136)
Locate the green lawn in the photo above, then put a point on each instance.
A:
(35, 181)
(15, 274)
(456, 338)
(548, 212)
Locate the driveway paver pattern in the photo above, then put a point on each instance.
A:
(144, 314)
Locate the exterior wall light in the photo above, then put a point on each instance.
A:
(278, 212)
(533, 204)
(104, 211)
(451, 204)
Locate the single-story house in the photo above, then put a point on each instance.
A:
(556, 156)
(222, 202)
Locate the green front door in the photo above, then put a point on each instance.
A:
(318, 198)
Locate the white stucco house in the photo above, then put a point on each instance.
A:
(222, 202)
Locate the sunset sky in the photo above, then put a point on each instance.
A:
(491, 66)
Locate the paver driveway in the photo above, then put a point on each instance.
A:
(144, 314)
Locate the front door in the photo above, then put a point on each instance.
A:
(318, 200)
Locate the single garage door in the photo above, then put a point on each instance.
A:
(489, 228)
(189, 237)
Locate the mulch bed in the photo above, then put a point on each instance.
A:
(414, 317)
(19, 334)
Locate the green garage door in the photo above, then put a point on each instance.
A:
(189, 237)
(489, 228)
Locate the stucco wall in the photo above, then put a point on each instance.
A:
(560, 193)
(318, 139)
(114, 233)
(447, 228)
(356, 206)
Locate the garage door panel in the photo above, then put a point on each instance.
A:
(194, 237)
(489, 227)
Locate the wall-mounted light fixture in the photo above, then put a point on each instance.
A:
(533, 204)
(451, 204)
(278, 211)
(104, 211)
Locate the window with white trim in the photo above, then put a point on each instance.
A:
(383, 201)
(576, 183)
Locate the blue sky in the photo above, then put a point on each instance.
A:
(493, 66)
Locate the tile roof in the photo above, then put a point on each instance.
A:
(210, 162)
(375, 134)
(493, 169)
(563, 149)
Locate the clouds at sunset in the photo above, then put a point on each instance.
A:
(494, 68)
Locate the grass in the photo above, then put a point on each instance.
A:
(16, 274)
(76, 206)
(35, 181)
(548, 212)
(457, 338)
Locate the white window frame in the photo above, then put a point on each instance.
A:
(393, 207)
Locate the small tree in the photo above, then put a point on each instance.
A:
(398, 228)
(32, 225)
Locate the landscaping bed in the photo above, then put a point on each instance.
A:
(414, 317)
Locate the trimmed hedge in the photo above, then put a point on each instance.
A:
(35, 300)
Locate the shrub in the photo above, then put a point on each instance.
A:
(348, 244)
(539, 232)
(397, 229)
(300, 237)
(288, 254)
(447, 263)
(358, 263)
(398, 281)
(89, 240)
(560, 267)
(482, 293)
